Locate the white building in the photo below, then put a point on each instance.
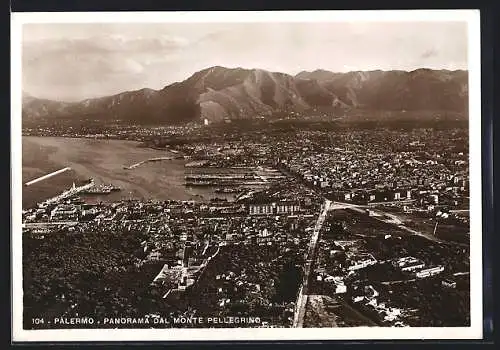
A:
(432, 271)
(274, 208)
(64, 212)
(340, 288)
(362, 261)
(449, 283)
(409, 263)
(361, 264)
(357, 298)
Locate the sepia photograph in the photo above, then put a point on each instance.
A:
(239, 176)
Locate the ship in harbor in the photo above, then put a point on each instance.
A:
(72, 191)
(101, 189)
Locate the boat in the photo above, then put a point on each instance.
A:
(72, 191)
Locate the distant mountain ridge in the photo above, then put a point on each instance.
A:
(421, 89)
(218, 93)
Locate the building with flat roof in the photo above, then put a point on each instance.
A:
(409, 263)
(431, 271)
(282, 207)
(64, 212)
(448, 283)
(360, 261)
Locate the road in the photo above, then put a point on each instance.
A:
(300, 308)
(388, 283)
(51, 223)
(402, 201)
(421, 234)
(340, 205)
(389, 218)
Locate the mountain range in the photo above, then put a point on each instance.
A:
(219, 93)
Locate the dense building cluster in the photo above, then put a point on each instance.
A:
(178, 247)
(376, 263)
(378, 166)
(393, 247)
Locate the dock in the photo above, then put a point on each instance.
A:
(135, 165)
(69, 193)
(47, 176)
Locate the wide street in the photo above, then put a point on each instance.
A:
(300, 307)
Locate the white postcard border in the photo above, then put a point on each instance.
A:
(168, 334)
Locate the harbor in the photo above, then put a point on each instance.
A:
(157, 159)
(232, 180)
(72, 191)
(102, 189)
(88, 188)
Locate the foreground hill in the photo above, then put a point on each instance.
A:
(218, 93)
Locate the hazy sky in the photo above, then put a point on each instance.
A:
(78, 61)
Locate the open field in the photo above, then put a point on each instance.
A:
(425, 223)
(326, 311)
(316, 315)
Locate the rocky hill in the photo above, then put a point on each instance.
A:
(218, 93)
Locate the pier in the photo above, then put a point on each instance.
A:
(69, 193)
(135, 165)
(47, 176)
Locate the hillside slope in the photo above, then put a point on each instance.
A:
(217, 93)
